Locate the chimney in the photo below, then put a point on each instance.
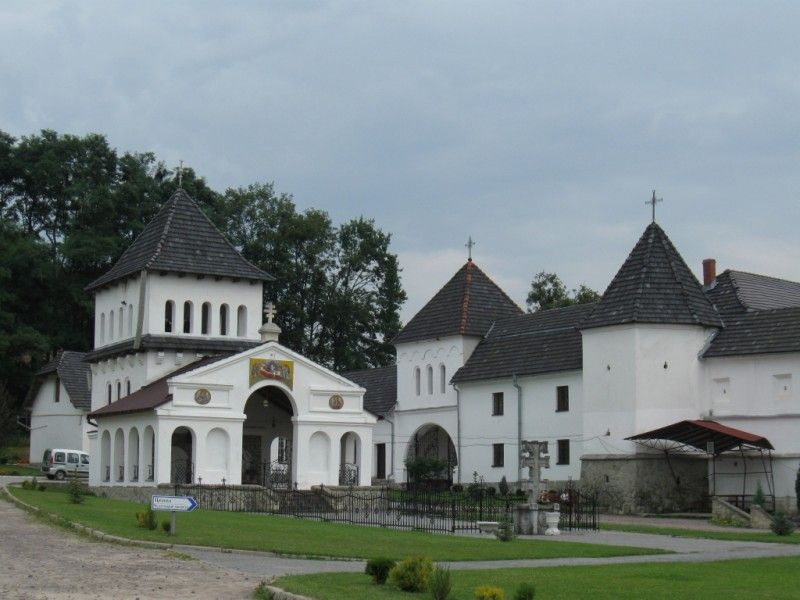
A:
(709, 271)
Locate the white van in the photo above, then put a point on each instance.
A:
(58, 463)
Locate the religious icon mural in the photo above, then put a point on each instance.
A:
(276, 370)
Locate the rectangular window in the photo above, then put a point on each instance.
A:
(59, 458)
(498, 455)
(72, 458)
(497, 404)
(58, 390)
(562, 398)
(563, 452)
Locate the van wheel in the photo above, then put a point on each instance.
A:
(50, 476)
(60, 475)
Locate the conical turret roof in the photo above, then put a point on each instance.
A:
(468, 304)
(181, 239)
(654, 285)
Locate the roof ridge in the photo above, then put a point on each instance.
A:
(761, 275)
(160, 245)
(682, 287)
(495, 284)
(465, 300)
(643, 272)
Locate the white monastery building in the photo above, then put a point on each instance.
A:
(185, 387)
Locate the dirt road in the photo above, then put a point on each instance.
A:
(41, 561)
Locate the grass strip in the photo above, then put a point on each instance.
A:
(292, 536)
(770, 578)
(737, 535)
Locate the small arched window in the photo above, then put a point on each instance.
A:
(119, 389)
(430, 379)
(111, 326)
(109, 392)
(205, 318)
(128, 387)
(130, 319)
(121, 321)
(187, 317)
(223, 319)
(442, 379)
(416, 381)
(241, 321)
(102, 327)
(169, 316)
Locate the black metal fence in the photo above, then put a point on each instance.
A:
(449, 512)
(578, 511)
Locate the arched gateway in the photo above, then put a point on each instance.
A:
(266, 417)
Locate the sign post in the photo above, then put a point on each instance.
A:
(173, 504)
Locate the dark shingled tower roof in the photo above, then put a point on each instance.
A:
(381, 386)
(468, 304)
(181, 239)
(654, 285)
(73, 372)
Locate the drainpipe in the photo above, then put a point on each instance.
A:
(519, 426)
(391, 445)
(458, 430)
(137, 340)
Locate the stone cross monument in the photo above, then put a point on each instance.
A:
(533, 455)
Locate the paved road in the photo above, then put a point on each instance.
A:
(42, 561)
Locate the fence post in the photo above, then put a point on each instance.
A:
(452, 512)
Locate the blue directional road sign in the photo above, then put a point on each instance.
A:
(173, 503)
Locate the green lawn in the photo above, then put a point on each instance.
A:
(23, 470)
(773, 578)
(735, 535)
(288, 535)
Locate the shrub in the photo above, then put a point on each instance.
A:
(458, 488)
(797, 489)
(75, 491)
(378, 569)
(412, 574)
(781, 524)
(487, 592)
(423, 467)
(440, 583)
(758, 498)
(520, 493)
(503, 487)
(262, 592)
(490, 491)
(505, 530)
(165, 525)
(146, 519)
(525, 591)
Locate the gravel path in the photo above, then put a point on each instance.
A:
(41, 561)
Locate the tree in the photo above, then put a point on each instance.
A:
(548, 291)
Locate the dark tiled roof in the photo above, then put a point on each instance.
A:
(73, 373)
(547, 341)
(468, 304)
(758, 332)
(181, 239)
(153, 394)
(758, 292)
(654, 285)
(381, 386)
(185, 343)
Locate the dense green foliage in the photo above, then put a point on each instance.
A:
(441, 583)
(70, 205)
(773, 578)
(378, 569)
(548, 291)
(782, 524)
(412, 574)
(277, 533)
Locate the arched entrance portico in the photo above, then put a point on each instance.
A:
(431, 458)
(349, 459)
(267, 438)
(182, 456)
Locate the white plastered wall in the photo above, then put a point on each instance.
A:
(56, 424)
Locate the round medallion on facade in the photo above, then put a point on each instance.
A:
(336, 402)
(202, 396)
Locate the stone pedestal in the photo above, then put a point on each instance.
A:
(527, 521)
(552, 522)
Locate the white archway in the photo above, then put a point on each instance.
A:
(182, 455)
(149, 454)
(105, 456)
(217, 456)
(133, 454)
(118, 471)
(431, 441)
(349, 459)
(319, 452)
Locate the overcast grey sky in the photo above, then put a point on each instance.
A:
(537, 128)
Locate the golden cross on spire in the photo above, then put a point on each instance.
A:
(469, 246)
(652, 202)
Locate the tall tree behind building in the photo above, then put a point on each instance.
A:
(548, 291)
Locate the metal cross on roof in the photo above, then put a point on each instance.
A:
(269, 312)
(652, 202)
(469, 246)
(180, 175)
